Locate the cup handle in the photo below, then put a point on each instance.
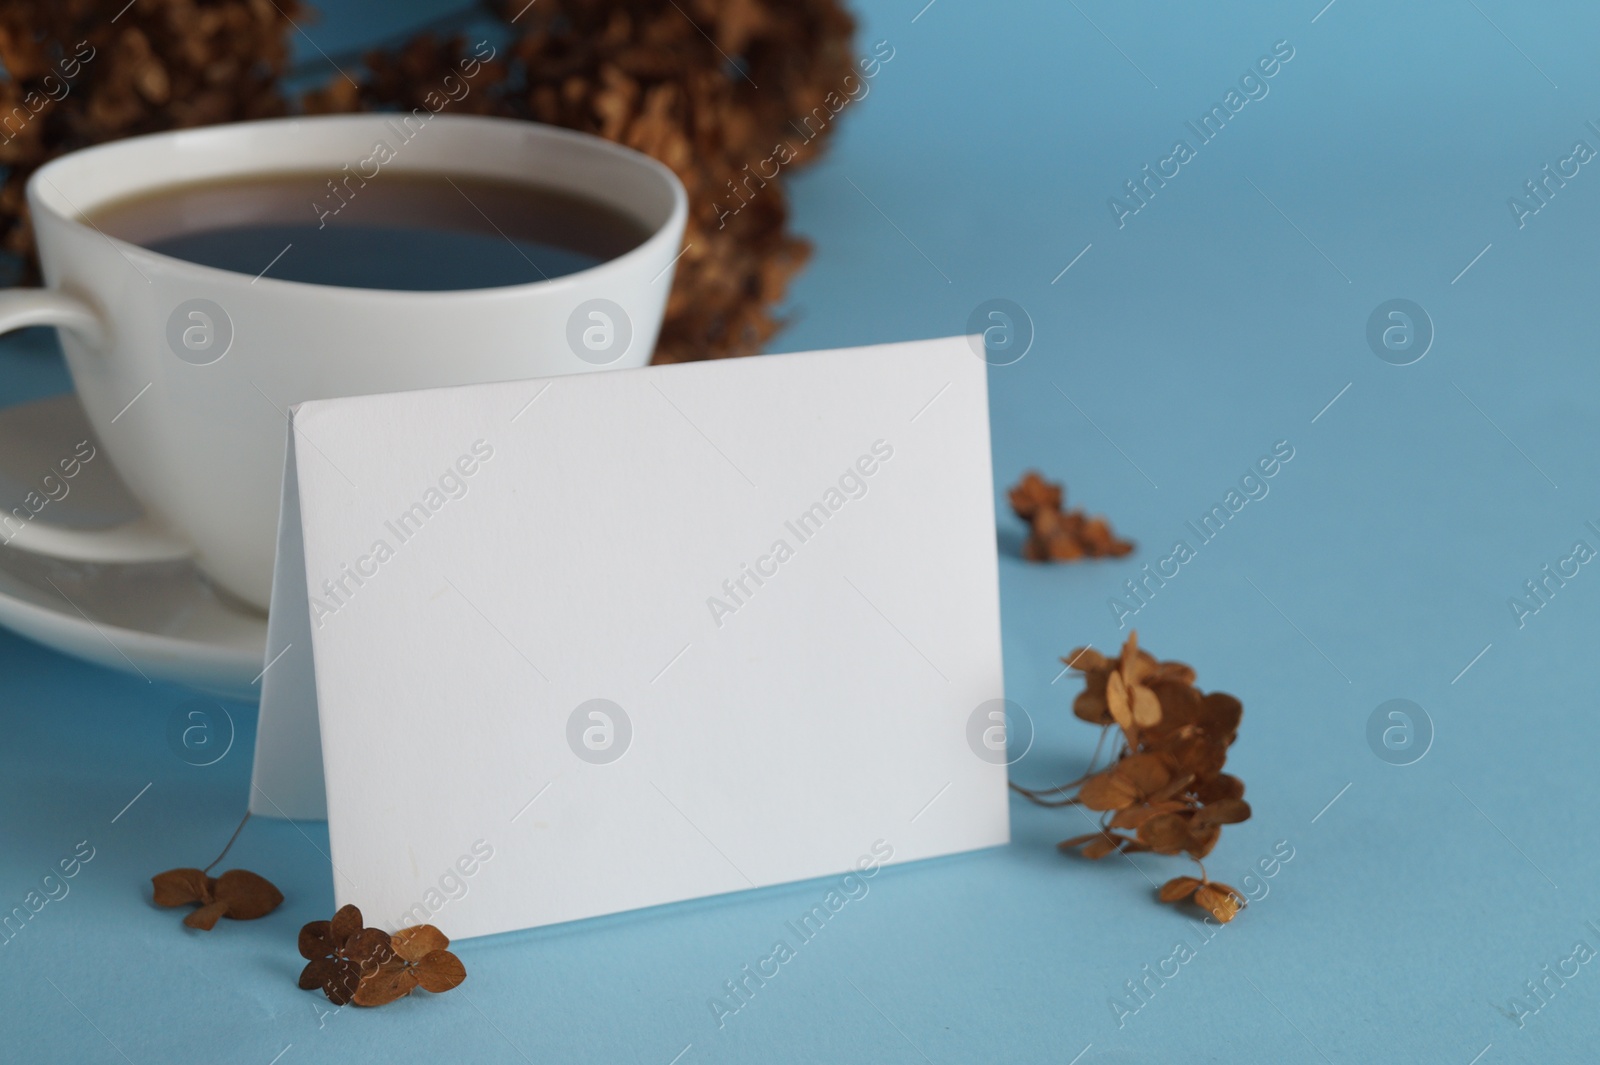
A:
(140, 540)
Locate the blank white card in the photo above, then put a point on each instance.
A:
(620, 639)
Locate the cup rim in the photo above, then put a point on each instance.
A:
(53, 202)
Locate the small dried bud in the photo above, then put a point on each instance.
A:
(1056, 535)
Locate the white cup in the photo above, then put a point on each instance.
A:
(186, 371)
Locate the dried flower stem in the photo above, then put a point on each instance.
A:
(229, 847)
(1105, 730)
(1034, 796)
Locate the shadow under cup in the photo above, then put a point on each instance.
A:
(187, 372)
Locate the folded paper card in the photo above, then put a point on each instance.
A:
(620, 639)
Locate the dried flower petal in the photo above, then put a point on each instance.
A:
(1095, 844)
(341, 980)
(1204, 839)
(370, 949)
(205, 918)
(1100, 847)
(1134, 816)
(1174, 788)
(248, 896)
(1130, 781)
(1221, 786)
(386, 986)
(1117, 702)
(316, 940)
(1223, 812)
(1220, 900)
(346, 924)
(1167, 834)
(180, 887)
(1195, 751)
(1130, 654)
(1146, 707)
(1178, 888)
(1220, 713)
(1181, 704)
(1176, 672)
(1085, 659)
(315, 972)
(417, 942)
(440, 971)
(1093, 708)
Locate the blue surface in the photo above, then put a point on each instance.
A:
(1222, 318)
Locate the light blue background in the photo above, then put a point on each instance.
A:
(1221, 319)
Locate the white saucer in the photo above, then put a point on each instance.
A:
(160, 621)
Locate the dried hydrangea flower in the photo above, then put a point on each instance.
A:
(238, 894)
(1057, 535)
(418, 959)
(340, 953)
(370, 967)
(1164, 791)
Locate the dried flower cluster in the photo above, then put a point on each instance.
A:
(370, 967)
(1055, 535)
(709, 87)
(349, 962)
(237, 894)
(86, 71)
(1165, 791)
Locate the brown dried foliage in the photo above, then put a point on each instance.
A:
(237, 894)
(86, 71)
(676, 79)
(1165, 791)
(370, 967)
(1055, 535)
